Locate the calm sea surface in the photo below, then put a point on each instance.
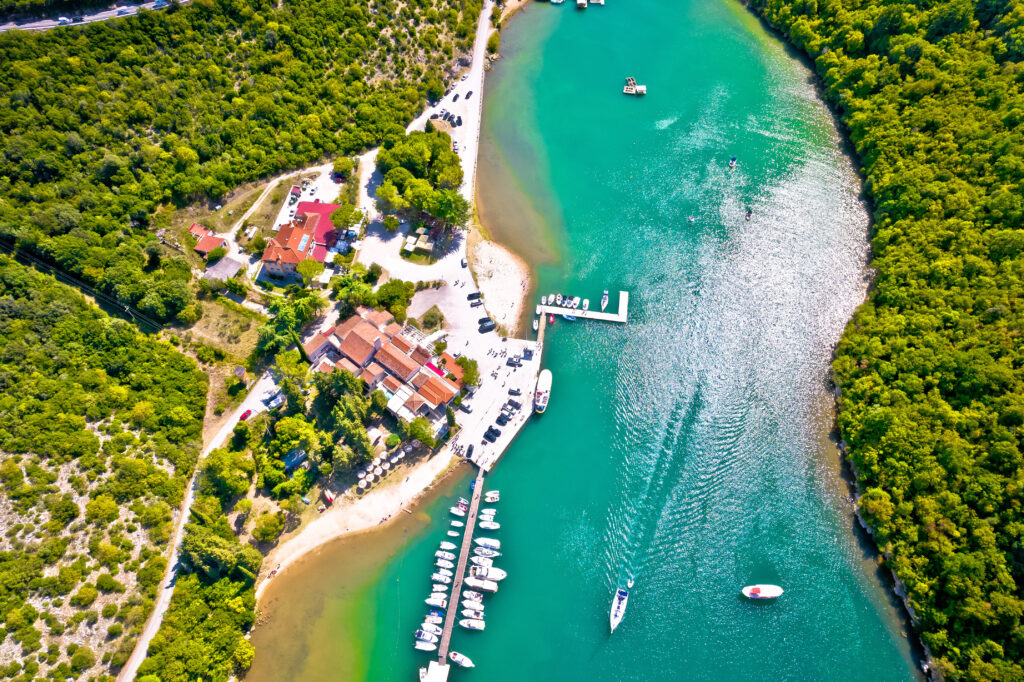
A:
(688, 449)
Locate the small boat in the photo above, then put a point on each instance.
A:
(484, 551)
(441, 578)
(481, 561)
(749, 213)
(426, 646)
(551, 318)
(453, 533)
(448, 546)
(489, 543)
(472, 624)
(536, 325)
(436, 614)
(437, 601)
(445, 572)
(619, 605)
(441, 554)
(457, 524)
(490, 525)
(762, 591)
(557, 2)
(439, 588)
(581, 4)
(558, 299)
(732, 162)
(484, 585)
(492, 496)
(433, 620)
(488, 511)
(473, 613)
(569, 317)
(586, 304)
(329, 496)
(604, 300)
(439, 595)
(576, 302)
(485, 517)
(431, 628)
(542, 393)
(543, 300)
(463, 500)
(551, 299)
(457, 511)
(475, 605)
(470, 594)
(487, 573)
(458, 659)
(692, 220)
(425, 636)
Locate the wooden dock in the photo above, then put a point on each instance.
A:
(451, 613)
(622, 316)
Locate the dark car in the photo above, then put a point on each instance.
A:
(510, 362)
(469, 94)
(469, 451)
(483, 320)
(246, 415)
(502, 420)
(434, 117)
(514, 391)
(458, 121)
(474, 296)
(456, 97)
(490, 437)
(487, 327)
(476, 304)
(515, 403)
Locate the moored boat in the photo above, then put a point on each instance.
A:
(457, 524)
(444, 563)
(481, 561)
(558, 299)
(492, 496)
(439, 578)
(488, 511)
(472, 613)
(576, 302)
(425, 636)
(586, 304)
(440, 589)
(484, 551)
(487, 573)
(567, 316)
(472, 624)
(434, 620)
(543, 300)
(489, 543)
(453, 533)
(762, 591)
(537, 311)
(457, 511)
(475, 605)
(445, 572)
(431, 628)
(482, 585)
(441, 554)
(458, 659)
(425, 646)
(470, 594)
(490, 525)
(448, 546)
(543, 391)
(604, 300)
(551, 318)
(619, 602)
(536, 325)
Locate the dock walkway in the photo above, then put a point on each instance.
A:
(621, 316)
(460, 570)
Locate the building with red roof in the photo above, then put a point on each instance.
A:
(208, 243)
(292, 244)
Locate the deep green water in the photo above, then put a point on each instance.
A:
(688, 449)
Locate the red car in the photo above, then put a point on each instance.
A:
(246, 415)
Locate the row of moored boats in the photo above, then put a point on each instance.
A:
(567, 302)
(483, 578)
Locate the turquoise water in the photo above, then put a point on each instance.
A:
(688, 449)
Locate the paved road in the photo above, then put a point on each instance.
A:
(98, 15)
(163, 599)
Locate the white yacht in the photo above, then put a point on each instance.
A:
(604, 300)
(472, 624)
(586, 304)
(581, 4)
(433, 620)
(437, 601)
(619, 604)
(439, 578)
(425, 646)
(558, 299)
(543, 300)
(762, 591)
(444, 563)
(487, 573)
(473, 613)
(482, 585)
(448, 545)
(441, 554)
(431, 628)
(475, 605)
(458, 659)
(484, 551)
(424, 636)
(543, 392)
(489, 543)
(490, 525)
(481, 561)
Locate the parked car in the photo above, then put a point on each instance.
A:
(63, 21)
(469, 94)
(458, 121)
(464, 264)
(510, 362)
(502, 419)
(476, 304)
(466, 407)
(245, 415)
(456, 97)
(483, 320)
(514, 391)
(473, 296)
(435, 116)
(276, 402)
(515, 403)
(487, 327)
(490, 437)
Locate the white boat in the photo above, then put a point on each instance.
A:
(463, 500)
(425, 646)
(484, 551)
(543, 300)
(576, 302)
(473, 613)
(457, 524)
(453, 533)
(536, 325)
(489, 543)
(439, 595)
(474, 596)
(488, 511)
(445, 572)
(438, 588)
(762, 591)
(425, 636)
(557, 2)
(558, 299)
(441, 554)
(543, 392)
(481, 561)
(485, 517)
(433, 620)
(437, 601)
(482, 585)
(475, 605)
(581, 4)
(472, 624)
(487, 573)
(490, 525)
(538, 311)
(431, 628)
(604, 300)
(619, 605)
(441, 578)
(586, 304)
(457, 511)
(448, 545)
(551, 299)
(460, 660)
(492, 496)
(444, 563)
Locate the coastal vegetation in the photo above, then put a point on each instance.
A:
(930, 368)
(99, 429)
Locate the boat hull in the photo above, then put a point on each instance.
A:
(762, 591)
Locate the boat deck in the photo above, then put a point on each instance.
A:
(622, 316)
(454, 600)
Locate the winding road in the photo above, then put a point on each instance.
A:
(79, 19)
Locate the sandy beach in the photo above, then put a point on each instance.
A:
(504, 280)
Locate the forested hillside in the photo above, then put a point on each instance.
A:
(102, 124)
(932, 402)
(99, 435)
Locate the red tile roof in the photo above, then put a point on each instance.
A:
(322, 213)
(325, 366)
(348, 325)
(437, 391)
(402, 343)
(347, 364)
(291, 244)
(209, 243)
(360, 343)
(421, 355)
(199, 231)
(449, 365)
(396, 362)
(379, 318)
(314, 344)
(392, 384)
(415, 402)
(392, 329)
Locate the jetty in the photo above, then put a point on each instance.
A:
(451, 613)
(622, 316)
(631, 88)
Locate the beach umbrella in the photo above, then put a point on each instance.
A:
(394, 460)
(385, 466)
(361, 475)
(376, 462)
(378, 471)
(400, 455)
(363, 485)
(370, 477)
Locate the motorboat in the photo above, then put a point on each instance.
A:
(425, 636)
(460, 660)
(487, 573)
(551, 299)
(439, 595)
(453, 533)
(440, 578)
(604, 300)
(586, 304)
(436, 614)
(463, 500)
(441, 554)
(445, 572)
(558, 299)
(732, 162)
(488, 511)
(489, 543)
(492, 496)
(551, 318)
(431, 628)
(457, 511)
(543, 300)
(762, 591)
(433, 620)
(457, 524)
(425, 646)
(470, 594)
(490, 525)
(485, 551)
(439, 588)
(749, 213)
(483, 585)
(619, 604)
(472, 624)
(481, 561)
(475, 605)
(536, 325)
(576, 302)
(567, 316)
(448, 545)
(543, 392)
(473, 613)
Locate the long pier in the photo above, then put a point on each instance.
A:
(451, 613)
(622, 316)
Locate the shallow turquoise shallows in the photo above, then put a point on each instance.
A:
(689, 449)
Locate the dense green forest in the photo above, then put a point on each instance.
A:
(103, 124)
(99, 430)
(932, 400)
